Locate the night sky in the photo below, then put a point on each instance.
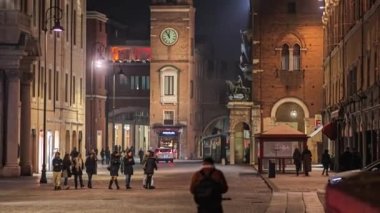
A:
(219, 20)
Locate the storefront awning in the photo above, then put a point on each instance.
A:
(316, 131)
(330, 130)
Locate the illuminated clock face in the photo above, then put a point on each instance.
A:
(169, 36)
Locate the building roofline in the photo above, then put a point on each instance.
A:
(96, 15)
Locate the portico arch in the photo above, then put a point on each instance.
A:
(291, 100)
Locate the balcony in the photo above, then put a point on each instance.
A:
(12, 24)
(291, 79)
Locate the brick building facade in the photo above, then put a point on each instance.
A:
(287, 70)
(352, 76)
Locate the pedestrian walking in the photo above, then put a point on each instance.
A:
(297, 158)
(149, 167)
(345, 160)
(66, 170)
(108, 155)
(128, 168)
(207, 186)
(122, 155)
(326, 160)
(306, 160)
(90, 168)
(57, 171)
(74, 153)
(356, 159)
(78, 166)
(145, 158)
(141, 156)
(114, 169)
(102, 155)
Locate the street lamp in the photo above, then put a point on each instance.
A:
(113, 103)
(96, 62)
(57, 16)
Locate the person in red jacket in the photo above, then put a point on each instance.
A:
(216, 181)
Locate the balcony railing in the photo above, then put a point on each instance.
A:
(13, 23)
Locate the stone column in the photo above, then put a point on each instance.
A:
(11, 168)
(25, 132)
(232, 147)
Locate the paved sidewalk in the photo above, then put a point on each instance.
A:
(295, 194)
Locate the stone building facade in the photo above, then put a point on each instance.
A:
(22, 80)
(174, 104)
(287, 65)
(352, 76)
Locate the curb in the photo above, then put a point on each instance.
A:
(269, 183)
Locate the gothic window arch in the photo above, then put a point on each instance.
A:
(296, 57)
(285, 57)
(169, 84)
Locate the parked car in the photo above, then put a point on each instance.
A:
(359, 192)
(338, 177)
(164, 154)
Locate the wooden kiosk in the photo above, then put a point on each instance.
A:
(278, 144)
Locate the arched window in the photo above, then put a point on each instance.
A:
(285, 57)
(296, 57)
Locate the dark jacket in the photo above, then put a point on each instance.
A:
(128, 165)
(57, 164)
(115, 165)
(67, 166)
(326, 160)
(78, 166)
(217, 176)
(345, 161)
(150, 165)
(297, 158)
(90, 165)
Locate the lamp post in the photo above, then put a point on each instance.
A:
(56, 17)
(113, 107)
(113, 104)
(96, 62)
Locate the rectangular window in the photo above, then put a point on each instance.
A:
(42, 81)
(192, 47)
(368, 69)
(75, 27)
(81, 31)
(132, 82)
(100, 26)
(137, 82)
(291, 7)
(56, 89)
(50, 84)
(169, 85)
(191, 89)
(168, 117)
(123, 79)
(352, 82)
(24, 6)
(81, 91)
(74, 90)
(34, 13)
(66, 87)
(147, 82)
(143, 82)
(67, 22)
(34, 81)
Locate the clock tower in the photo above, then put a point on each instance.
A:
(174, 106)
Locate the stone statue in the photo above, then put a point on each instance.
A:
(236, 90)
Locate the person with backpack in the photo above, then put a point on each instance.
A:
(207, 186)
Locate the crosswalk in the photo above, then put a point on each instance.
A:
(295, 202)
